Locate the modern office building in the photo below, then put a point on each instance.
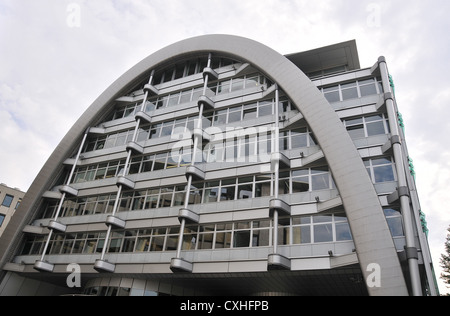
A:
(10, 199)
(217, 166)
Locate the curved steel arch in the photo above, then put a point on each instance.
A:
(371, 234)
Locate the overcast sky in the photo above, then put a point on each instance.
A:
(58, 56)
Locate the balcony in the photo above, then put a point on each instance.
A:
(279, 205)
(188, 215)
(178, 265)
(104, 266)
(57, 226)
(143, 117)
(208, 104)
(121, 180)
(212, 75)
(69, 190)
(115, 222)
(151, 89)
(135, 148)
(195, 172)
(43, 266)
(278, 262)
(283, 161)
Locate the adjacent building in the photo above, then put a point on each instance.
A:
(217, 166)
(10, 199)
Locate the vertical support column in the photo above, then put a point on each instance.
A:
(112, 220)
(178, 264)
(411, 249)
(275, 260)
(276, 171)
(41, 265)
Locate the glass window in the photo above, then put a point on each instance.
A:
(380, 170)
(245, 191)
(165, 199)
(150, 105)
(161, 102)
(220, 117)
(7, 200)
(211, 195)
(79, 244)
(299, 138)
(2, 219)
(143, 133)
(185, 96)
(265, 108)
(237, 84)
(100, 144)
(375, 128)
(284, 140)
(112, 169)
(167, 129)
(301, 235)
(223, 87)
(191, 68)
(160, 161)
(168, 74)
(157, 243)
(284, 106)
(135, 165)
(253, 81)
(367, 87)
(260, 238)
(250, 111)
(319, 180)
(90, 174)
(206, 237)
(173, 99)
(395, 226)
(300, 181)
(227, 193)
(262, 189)
(355, 128)
(147, 163)
(223, 239)
(343, 232)
(323, 218)
(323, 233)
(116, 242)
(155, 131)
(178, 198)
(349, 91)
(195, 194)
(142, 244)
(179, 71)
(383, 174)
(241, 238)
(332, 94)
(235, 115)
(356, 131)
(395, 223)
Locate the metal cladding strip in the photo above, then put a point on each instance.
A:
(369, 228)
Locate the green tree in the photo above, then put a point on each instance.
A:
(445, 260)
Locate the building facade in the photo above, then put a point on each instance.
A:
(11, 199)
(217, 166)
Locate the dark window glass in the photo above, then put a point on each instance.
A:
(7, 200)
